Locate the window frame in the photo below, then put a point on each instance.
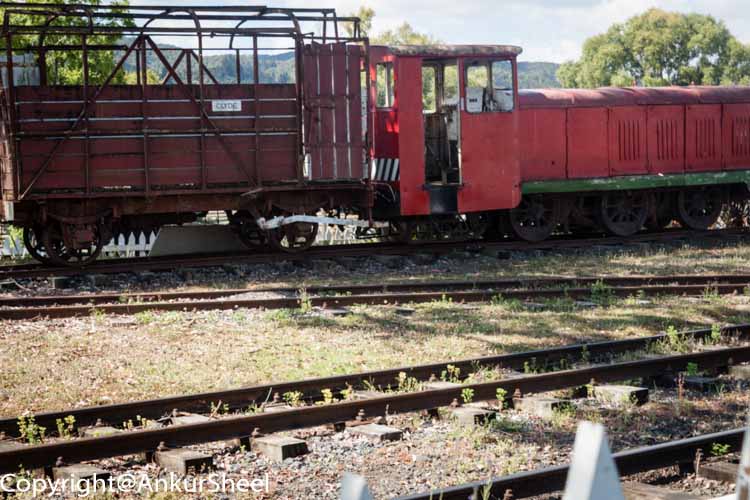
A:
(488, 64)
(390, 84)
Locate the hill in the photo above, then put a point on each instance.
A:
(279, 68)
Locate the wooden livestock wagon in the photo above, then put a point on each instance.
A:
(161, 139)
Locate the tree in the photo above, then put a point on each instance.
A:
(365, 15)
(660, 48)
(66, 67)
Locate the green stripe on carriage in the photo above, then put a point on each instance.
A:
(637, 182)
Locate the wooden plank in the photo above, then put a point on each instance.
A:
(641, 491)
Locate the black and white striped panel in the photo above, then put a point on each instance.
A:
(385, 169)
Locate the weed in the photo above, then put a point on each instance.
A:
(451, 373)
(602, 294)
(30, 431)
(691, 369)
(718, 449)
(467, 394)
(327, 396)
(501, 394)
(305, 302)
(407, 383)
(219, 408)
(65, 426)
(293, 398)
(715, 337)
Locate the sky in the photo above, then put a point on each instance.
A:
(548, 30)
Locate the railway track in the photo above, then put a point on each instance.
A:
(243, 425)
(23, 271)
(552, 479)
(237, 399)
(348, 295)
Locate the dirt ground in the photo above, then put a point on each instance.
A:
(58, 364)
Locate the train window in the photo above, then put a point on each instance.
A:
(489, 86)
(429, 85)
(384, 85)
(502, 85)
(450, 84)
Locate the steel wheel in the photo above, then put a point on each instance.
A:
(292, 238)
(623, 214)
(247, 229)
(699, 208)
(60, 254)
(534, 219)
(33, 243)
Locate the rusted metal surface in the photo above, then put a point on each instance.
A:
(552, 479)
(633, 96)
(391, 298)
(44, 455)
(498, 286)
(242, 398)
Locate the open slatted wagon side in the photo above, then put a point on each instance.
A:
(82, 162)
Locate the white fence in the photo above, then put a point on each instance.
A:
(117, 247)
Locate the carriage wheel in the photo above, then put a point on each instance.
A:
(60, 254)
(663, 213)
(534, 219)
(247, 229)
(293, 238)
(699, 208)
(623, 214)
(33, 243)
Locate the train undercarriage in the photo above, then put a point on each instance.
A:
(76, 240)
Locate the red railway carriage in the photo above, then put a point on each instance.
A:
(438, 135)
(83, 161)
(453, 135)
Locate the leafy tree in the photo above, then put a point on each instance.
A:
(660, 48)
(66, 67)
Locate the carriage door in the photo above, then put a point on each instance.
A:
(489, 150)
(332, 112)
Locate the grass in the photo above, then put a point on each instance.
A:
(58, 364)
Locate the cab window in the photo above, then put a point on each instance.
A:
(489, 86)
(384, 85)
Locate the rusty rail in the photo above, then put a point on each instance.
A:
(481, 295)
(552, 479)
(444, 286)
(46, 455)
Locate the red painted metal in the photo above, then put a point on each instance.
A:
(408, 79)
(666, 139)
(627, 140)
(703, 138)
(736, 143)
(543, 151)
(588, 146)
(490, 155)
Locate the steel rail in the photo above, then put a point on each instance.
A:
(552, 479)
(126, 443)
(446, 285)
(68, 311)
(168, 263)
(241, 398)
